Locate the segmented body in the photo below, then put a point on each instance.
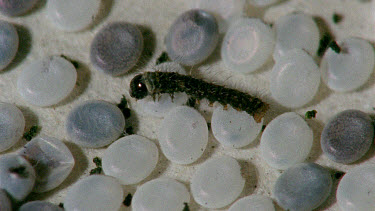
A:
(170, 82)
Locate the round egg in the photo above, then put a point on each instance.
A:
(9, 41)
(40, 205)
(51, 159)
(159, 195)
(296, 31)
(95, 123)
(192, 37)
(247, 45)
(72, 15)
(96, 192)
(217, 182)
(47, 81)
(295, 79)
(17, 176)
(303, 187)
(16, 7)
(350, 68)
(286, 141)
(183, 128)
(116, 48)
(347, 136)
(130, 159)
(356, 189)
(253, 203)
(234, 128)
(12, 125)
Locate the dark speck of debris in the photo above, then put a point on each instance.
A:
(323, 45)
(128, 200)
(123, 106)
(97, 161)
(191, 102)
(162, 58)
(31, 133)
(334, 46)
(337, 18)
(263, 127)
(20, 170)
(338, 174)
(186, 207)
(97, 170)
(61, 205)
(208, 125)
(74, 63)
(310, 114)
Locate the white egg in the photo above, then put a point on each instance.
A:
(286, 141)
(47, 81)
(247, 45)
(160, 195)
(130, 159)
(217, 182)
(296, 31)
(12, 125)
(234, 128)
(253, 203)
(51, 159)
(294, 79)
(356, 189)
(72, 15)
(95, 193)
(351, 67)
(183, 135)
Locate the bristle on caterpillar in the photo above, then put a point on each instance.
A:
(156, 83)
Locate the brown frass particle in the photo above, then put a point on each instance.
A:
(123, 106)
(97, 170)
(31, 133)
(310, 114)
(323, 45)
(155, 83)
(20, 170)
(163, 58)
(128, 200)
(334, 46)
(186, 207)
(337, 18)
(97, 161)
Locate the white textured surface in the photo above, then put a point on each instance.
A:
(39, 38)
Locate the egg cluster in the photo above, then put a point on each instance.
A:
(293, 44)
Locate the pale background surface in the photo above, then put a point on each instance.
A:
(39, 38)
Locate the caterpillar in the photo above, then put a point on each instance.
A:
(155, 83)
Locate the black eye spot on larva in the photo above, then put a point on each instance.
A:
(138, 88)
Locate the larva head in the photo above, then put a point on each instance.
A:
(138, 88)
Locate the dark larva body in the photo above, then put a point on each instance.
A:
(154, 83)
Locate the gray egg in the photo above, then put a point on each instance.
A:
(5, 203)
(40, 206)
(303, 187)
(12, 125)
(17, 176)
(16, 7)
(51, 159)
(116, 48)
(95, 124)
(8, 43)
(347, 136)
(192, 37)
